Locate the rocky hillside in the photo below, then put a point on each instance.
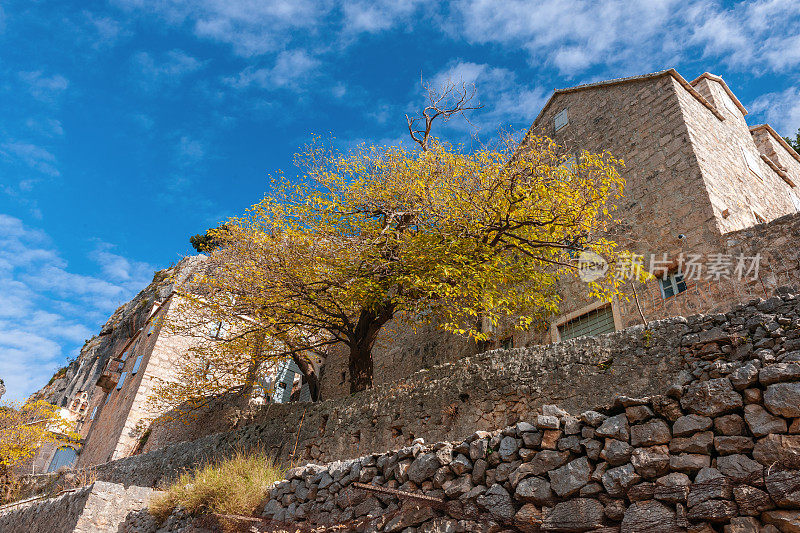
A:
(82, 373)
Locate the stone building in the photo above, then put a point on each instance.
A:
(697, 176)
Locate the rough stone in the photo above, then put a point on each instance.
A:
(711, 398)
(568, 479)
(761, 422)
(576, 515)
(751, 500)
(616, 452)
(498, 502)
(650, 433)
(778, 450)
(783, 399)
(786, 521)
(615, 427)
(534, 490)
(423, 467)
(689, 424)
(740, 469)
(649, 517)
(651, 462)
(779, 372)
(616, 480)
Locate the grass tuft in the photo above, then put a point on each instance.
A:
(236, 486)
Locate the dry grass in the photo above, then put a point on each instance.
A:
(235, 486)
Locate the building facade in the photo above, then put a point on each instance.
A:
(698, 179)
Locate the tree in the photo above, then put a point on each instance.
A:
(794, 143)
(205, 242)
(26, 427)
(437, 235)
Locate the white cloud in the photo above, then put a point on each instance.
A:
(47, 310)
(781, 110)
(638, 35)
(377, 15)
(154, 73)
(33, 156)
(43, 87)
(505, 99)
(291, 68)
(251, 27)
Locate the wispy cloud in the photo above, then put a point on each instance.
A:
(47, 310)
(33, 156)
(46, 88)
(780, 109)
(291, 68)
(153, 73)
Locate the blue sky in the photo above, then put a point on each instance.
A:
(126, 126)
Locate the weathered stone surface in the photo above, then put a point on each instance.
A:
(542, 462)
(751, 500)
(410, 517)
(784, 487)
(728, 445)
(779, 372)
(458, 486)
(478, 448)
(528, 518)
(547, 422)
(672, 488)
(786, 521)
(711, 398)
(641, 491)
(650, 433)
(534, 490)
(423, 467)
(730, 425)
(568, 479)
(615, 427)
(783, 399)
(616, 480)
(744, 376)
(740, 469)
(651, 462)
(593, 418)
(649, 517)
(713, 511)
(688, 462)
(698, 443)
(761, 422)
(460, 465)
(714, 488)
(638, 413)
(616, 452)
(689, 424)
(742, 524)
(778, 450)
(498, 502)
(576, 515)
(508, 448)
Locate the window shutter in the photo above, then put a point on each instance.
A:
(561, 119)
(121, 380)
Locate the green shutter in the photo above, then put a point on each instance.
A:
(592, 323)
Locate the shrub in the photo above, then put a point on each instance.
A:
(235, 486)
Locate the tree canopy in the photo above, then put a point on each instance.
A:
(440, 236)
(26, 427)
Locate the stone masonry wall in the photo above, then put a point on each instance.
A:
(98, 507)
(719, 451)
(446, 402)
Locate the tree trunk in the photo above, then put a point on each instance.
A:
(309, 374)
(256, 359)
(360, 369)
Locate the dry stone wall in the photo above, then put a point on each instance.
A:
(446, 402)
(718, 451)
(98, 507)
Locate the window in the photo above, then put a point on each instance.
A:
(63, 457)
(672, 284)
(136, 365)
(218, 330)
(752, 162)
(561, 119)
(94, 412)
(121, 380)
(507, 343)
(594, 322)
